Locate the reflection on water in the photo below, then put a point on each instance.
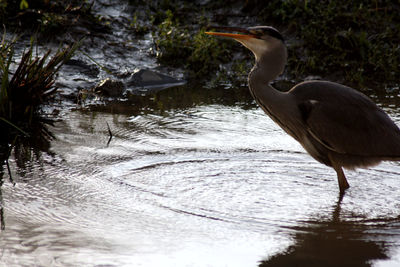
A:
(337, 242)
(194, 183)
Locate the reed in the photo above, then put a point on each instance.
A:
(26, 85)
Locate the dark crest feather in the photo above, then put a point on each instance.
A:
(271, 31)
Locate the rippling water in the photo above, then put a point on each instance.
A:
(209, 185)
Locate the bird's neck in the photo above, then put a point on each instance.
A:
(276, 104)
(269, 64)
(260, 78)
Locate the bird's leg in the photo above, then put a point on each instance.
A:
(343, 184)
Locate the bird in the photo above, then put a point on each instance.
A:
(336, 124)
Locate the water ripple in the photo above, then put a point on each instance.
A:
(210, 180)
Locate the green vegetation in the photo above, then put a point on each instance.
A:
(353, 42)
(48, 18)
(137, 27)
(181, 46)
(177, 28)
(357, 40)
(25, 86)
(26, 78)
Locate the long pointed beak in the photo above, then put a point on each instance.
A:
(245, 36)
(231, 35)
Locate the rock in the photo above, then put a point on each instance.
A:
(141, 82)
(108, 87)
(148, 81)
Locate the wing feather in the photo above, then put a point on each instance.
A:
(346, 121)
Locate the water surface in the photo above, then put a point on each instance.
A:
(194, 185)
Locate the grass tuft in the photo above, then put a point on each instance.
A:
(25, 86)
(178, 45)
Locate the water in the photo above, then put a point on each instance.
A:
(201, 185)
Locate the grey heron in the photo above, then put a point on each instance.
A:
(337, 125)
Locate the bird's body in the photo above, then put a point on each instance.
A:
(337, 125)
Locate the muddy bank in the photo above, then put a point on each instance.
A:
(352, 43)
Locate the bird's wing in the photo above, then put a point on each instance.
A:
(350, 123)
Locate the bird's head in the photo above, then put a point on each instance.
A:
(259, 39)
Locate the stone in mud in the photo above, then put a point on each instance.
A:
(109, 87)
(147, 81)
